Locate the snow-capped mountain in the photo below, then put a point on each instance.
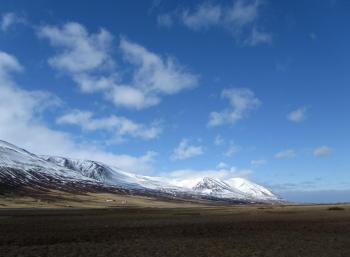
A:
(20, 168)
(234, 188)
(111, 175)
(24, 166)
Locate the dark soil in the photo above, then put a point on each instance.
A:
(214, 232)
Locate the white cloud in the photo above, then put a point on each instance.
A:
(22, 125)
(87, 58)
(232, 150)
(184, 151)
(132, 97)
(218, 140)
(10, 19)
(258, 37)
(93, 83)
(242, 12)
(119, 126)
(240, 19)
(189, 177)
(8, 64)
(204, 17)
(242, 101)
(289, 153)
(153, 75)
(297, 115)
(78, 51)
(323, 151)
(258, 163)
(222, 165)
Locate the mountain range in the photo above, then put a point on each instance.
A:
(21, 170)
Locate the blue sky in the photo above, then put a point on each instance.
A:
(184, 88)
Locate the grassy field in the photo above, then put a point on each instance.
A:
(165, 230)
(59, 199)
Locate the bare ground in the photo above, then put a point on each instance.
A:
(168, 230)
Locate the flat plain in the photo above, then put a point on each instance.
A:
(177, 230)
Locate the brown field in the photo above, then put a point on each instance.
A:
(139, 226)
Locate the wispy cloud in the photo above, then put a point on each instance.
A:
(87, 58)
(118, 126)
(10, 19)
(185, 151)
(165, 20)
(258, 163)
(203, 17)
(232, 150)
(297, 115)
(240, 19)
(218, 140)
(222, 165)
(323, 151)
(242, 101)
(289, 153)
(153, 75)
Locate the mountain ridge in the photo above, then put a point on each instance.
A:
(20, 168)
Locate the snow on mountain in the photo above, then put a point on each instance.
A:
(218, 188)
(18, 166)
(21, 167)
(111, 176)
(238, 188)
(234, 188)
(251, 189)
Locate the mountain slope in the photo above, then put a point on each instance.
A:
(237, 188)
(19, 167)
(113, 176)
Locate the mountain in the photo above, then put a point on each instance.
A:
(113, 176)
(234, 188)
(20, 169)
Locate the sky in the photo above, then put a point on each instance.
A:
(249, 88)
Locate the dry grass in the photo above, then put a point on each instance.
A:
(203, 231)
(58, 199)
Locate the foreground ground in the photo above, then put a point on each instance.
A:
(213, 231)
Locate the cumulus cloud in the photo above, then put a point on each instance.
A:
(240, 19)
(297, 115)
(87, 58)
(242, 101)
(289, 153)
(21, 124)
(118, 126)
(323, 151)
(10, 19)
(184, 151)
(153, 75)
(78, 51)
(189, 177)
